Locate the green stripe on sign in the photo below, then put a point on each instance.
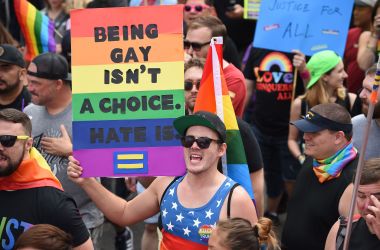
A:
(235, 148)
(128, 105)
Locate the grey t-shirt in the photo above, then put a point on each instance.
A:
(46, 125)
(359, 123)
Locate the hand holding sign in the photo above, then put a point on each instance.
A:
(61, 146)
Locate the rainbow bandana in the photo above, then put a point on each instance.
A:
(32, 173)
(331, 167)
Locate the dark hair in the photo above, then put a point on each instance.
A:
(371, 70)
(195, 62)
(16, 116)
(44, 237)
(207, 2)
(371, 172)
(213, 23)
(334, 112)
(240, 235)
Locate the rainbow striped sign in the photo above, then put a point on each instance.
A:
(127, 89)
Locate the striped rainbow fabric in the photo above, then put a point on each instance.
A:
(37, 28)
(213, 96)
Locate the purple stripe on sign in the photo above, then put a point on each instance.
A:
(162, 161)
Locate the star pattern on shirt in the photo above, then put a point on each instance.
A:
(218, 202)
(171, 191)
(164, 213)
(170, 226)
(186, 231)
(228, 184)
(196, 223)
(174, 205)
(191, 212)
(213, 226)
(179, 217)
(209, 213)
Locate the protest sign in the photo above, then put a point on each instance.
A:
(127, 68)
(251, 9)
(307, 25)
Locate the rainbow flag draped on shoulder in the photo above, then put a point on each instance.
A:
(213, 97)
(37, 28)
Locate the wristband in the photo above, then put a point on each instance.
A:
(305, 74)
(301, 158)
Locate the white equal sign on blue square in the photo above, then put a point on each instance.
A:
(130, 162)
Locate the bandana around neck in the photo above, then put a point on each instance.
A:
(331, 167)
(32, 173)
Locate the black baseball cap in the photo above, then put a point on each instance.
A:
(51, 66)
(201, 118)
(10, 54)
(314, 122)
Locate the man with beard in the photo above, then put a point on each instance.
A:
(13, 93)
(50, 112)
(366, 225)
(29, 191)
(359, 122)
(190, 205)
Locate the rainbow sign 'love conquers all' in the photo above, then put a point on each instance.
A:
(127, 67)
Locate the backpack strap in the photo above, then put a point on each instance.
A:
(162, 197)
(229, 200)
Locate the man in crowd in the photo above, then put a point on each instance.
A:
(50, 86)
(359, 122)
(190, 205)
(13, 92)
(196, 45)
(322, 192)
(365, 232)
(29, 191)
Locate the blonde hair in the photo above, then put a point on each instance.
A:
(240, 235)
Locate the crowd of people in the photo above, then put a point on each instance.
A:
(301, 140)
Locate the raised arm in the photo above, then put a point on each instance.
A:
(295, 113)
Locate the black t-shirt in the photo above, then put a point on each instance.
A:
(22, 100)
(314, 207)
(21, 209)
(251, 146)
(240, 30)
(273, 75)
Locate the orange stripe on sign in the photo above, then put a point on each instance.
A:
(126, 16)
(167, 48)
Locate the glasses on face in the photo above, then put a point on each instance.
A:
(10, 140)
(196, 46)
(202, 142)
(189, 84)
(195, 7)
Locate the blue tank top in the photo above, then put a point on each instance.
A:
(193, 224)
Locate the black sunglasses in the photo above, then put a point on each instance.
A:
(10, 140)
(203, 142)
(196, 46)
(189, 84)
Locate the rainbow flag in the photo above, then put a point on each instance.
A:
(213, 97)
(37, 28)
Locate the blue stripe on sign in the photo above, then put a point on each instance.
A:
(124, 134)
(130, 162)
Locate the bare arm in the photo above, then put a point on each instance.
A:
(366, 50)
(242, 206)
(257, 180)
(331, 237)
(345, 201)
(115, 208)
(295, 112)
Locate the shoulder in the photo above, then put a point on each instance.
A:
(33, 109)
(161, 184)
(358, 119)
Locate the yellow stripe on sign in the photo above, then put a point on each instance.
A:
(130, 166)
(91, 79)
(130, 157)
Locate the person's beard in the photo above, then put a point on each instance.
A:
(12, 166)
(10, 88)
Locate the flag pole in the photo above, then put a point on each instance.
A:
(359, 169)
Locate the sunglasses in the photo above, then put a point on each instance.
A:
(196, 46)
(202, 142)
(196, 7)
(189, 84)
(10, 140)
